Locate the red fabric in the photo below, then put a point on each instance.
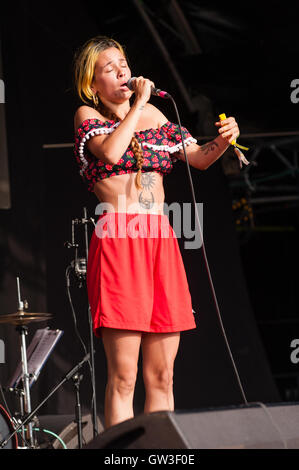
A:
(160, 159)
(136, 279)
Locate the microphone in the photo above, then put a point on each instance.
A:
(155, 91)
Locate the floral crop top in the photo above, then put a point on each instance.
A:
(158, 145)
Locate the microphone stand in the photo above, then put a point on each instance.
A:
(68, 376)
(93, 382)
(80, 268)
(77, 379)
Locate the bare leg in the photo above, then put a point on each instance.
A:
(122, 351)
(159, 352)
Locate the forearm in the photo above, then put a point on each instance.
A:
(208, 153)
(116, 143)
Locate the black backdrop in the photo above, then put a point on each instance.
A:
(46, 193)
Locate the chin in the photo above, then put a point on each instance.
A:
(124, 96)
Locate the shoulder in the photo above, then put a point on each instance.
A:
(86, 112)
(155, 114)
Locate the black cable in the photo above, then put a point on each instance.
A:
(206, 260)
(67, 275)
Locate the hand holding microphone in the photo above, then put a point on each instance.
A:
(145, 88)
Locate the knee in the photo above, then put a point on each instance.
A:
(161, 379)
(122, 382)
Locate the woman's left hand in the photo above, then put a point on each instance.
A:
(228, 129)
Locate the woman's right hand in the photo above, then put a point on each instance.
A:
(142, 88)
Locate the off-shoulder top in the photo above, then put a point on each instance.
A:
(158, 145)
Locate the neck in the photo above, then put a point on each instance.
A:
(119, 109)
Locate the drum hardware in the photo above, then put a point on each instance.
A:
(79, 266)
(18, 415)
(29, 417)
(7, 425)
(21, 318)
(17, 419)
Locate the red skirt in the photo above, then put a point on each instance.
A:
(135, 275)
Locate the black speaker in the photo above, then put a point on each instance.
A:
(256, 426)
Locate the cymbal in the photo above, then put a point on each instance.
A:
(22, 318)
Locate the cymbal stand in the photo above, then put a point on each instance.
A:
(23, 331)
(19, 392)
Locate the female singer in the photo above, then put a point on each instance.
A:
(137, 285)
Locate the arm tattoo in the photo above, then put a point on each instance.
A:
(209, 147)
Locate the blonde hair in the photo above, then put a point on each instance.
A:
(84, 65)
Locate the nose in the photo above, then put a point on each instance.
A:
(121, 72)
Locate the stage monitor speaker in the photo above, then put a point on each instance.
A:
(271, 426)
(66, 428)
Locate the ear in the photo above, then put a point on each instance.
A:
(93, 88)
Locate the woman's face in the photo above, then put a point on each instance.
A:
(110, 75)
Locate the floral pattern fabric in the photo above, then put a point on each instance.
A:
(158, 145)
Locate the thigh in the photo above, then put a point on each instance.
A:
(122, 350)
(159, 351)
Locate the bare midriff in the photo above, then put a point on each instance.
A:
(120, 193)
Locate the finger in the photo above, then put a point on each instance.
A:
(138, 79)
(228, 134)
(232, 139)
(223, 122)
(147, 82)
(227, 128)
(223, 129)
(227, 121)
(230, 119)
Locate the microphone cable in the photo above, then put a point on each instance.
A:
(68, 285)
(205, 258)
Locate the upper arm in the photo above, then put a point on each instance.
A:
(85, 112)
(94, 144)
(158, 117)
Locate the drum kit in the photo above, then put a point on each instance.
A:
(18, 433)
(20, 319)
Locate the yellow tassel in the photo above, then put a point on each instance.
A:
(238, 152)
(238, 145)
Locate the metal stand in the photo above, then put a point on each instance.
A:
(25, 399)
(91, 343)
(77, 379)
(23, 330)
(80, 268)
(29, 417)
